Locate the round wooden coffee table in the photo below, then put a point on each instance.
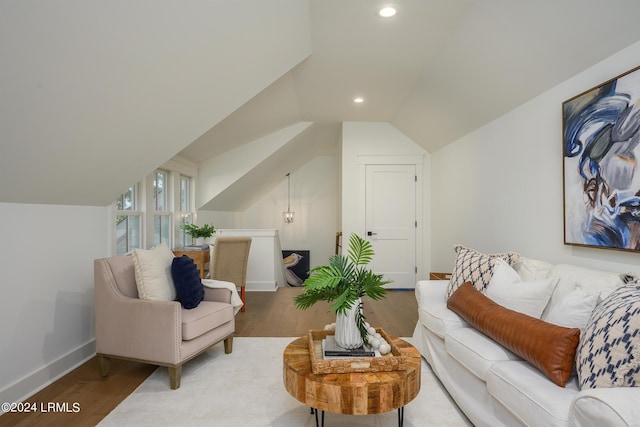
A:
(351, 393)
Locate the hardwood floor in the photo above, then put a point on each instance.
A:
(268, 314)
(273, 314)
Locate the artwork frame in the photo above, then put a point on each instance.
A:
(601, 165)
(296, 263)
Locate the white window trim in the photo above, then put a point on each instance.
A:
(175, 169)
(115, 213)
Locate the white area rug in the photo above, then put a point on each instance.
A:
(245, 388)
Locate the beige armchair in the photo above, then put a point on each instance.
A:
(156, 332)
(230, 260)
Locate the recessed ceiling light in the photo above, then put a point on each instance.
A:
(358, 100)
(387, 12)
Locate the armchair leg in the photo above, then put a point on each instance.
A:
(228, 345)
(174, 377)
(244, 304)
(105, 365)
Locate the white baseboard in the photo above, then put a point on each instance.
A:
(261, 286)
(47, 374)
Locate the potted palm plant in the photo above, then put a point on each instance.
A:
(195, 231)
(343, 282)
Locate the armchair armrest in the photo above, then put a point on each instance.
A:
(217, 294)
(121, 321)
(121, 324)
(218, 285)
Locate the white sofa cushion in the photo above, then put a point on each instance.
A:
(507, 289)
(529, 395)
(574, 310)
(592, 282)
(207, 316)
(439, 319)
(532, 269)
(475, 351)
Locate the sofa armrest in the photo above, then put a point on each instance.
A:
(606, 407)
(431, 292)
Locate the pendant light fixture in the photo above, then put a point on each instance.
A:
(288, 215)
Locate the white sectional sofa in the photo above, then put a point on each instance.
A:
(494, 386)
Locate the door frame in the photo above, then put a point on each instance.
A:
(418, 162)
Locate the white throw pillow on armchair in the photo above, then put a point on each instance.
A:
(152, 269)
(507, 289)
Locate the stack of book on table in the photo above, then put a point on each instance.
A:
(331, 350)
(204, 247)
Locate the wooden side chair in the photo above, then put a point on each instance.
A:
(230, 260)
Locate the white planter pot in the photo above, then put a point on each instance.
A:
(347, 332)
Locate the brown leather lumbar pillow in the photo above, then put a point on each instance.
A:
(548, 347)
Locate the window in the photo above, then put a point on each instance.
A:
(128, 222)
(152, 211)
(162, 214)
(186, 214)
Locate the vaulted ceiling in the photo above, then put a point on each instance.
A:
(93, 96)
(436, 71)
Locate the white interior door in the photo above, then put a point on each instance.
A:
(391, 222)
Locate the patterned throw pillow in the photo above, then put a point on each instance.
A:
(609, 351)
(475, 267)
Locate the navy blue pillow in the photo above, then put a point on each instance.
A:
(187, 280)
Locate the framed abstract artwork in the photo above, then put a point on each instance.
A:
(601, 170)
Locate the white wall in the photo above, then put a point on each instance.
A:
(500, 187)
(99, 79)
(219, 219)
(314, 198)
(218, 173)
(378, 139)
(47, 254)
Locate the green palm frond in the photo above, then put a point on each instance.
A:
(360, 250)
(360, 320)
(344, 280)
(375, 286)
(323, 277)
(343, 302)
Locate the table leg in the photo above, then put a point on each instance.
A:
(320, 423)
(315, 411)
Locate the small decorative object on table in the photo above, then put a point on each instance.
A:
(203, 247)
(330, 348)
(392, 361)
(343, 282)
(374, 341)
